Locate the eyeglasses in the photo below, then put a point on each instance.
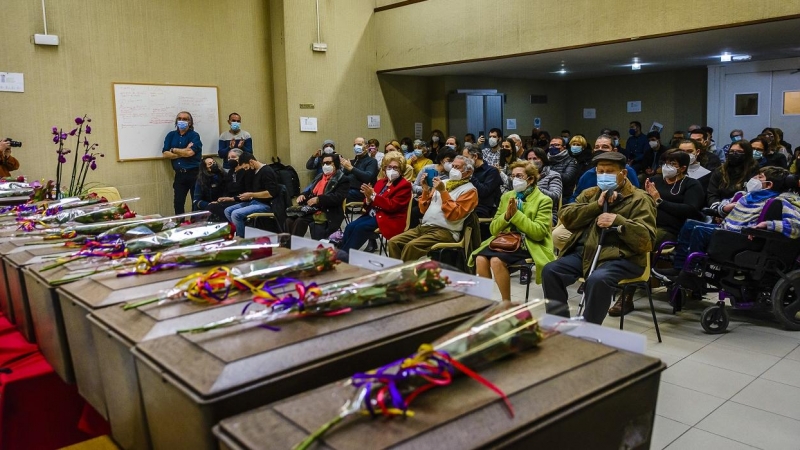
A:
(521, 176)
(393, 168)
(327, 163)
(735, 152)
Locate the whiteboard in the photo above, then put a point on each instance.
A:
(145, 113)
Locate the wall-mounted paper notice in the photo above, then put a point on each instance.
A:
(308, 124)
(418, 130)
(589, 113)
(511, 124)
(635, 106)
(12, 82)
(373, 121)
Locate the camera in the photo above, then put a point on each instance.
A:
(13, 143)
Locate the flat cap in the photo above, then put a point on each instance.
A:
(612, 157)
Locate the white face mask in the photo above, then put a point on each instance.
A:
(519, 185)
(753, 185)
(447, 166)
(435, 139)
(654, 144)
(692, 158)
(493, 142)
(404, 147)
(455, 174)
(327, 150)
(668, 171)
(327, 170)
(357, 149)
(392, 174)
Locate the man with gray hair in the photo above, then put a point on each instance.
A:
(518, 147)
(445, 205)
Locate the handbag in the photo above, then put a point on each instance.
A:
(506, 241)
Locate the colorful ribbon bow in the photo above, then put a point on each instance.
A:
(213, 286)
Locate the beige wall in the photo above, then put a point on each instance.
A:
(457, 30)
(202, 42)
(675, 99)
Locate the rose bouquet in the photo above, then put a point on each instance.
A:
(204, 254)
(398, 284)
(84, 215)
(220, 283)
(494, 334)
(115, 247)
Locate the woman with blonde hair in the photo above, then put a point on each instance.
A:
(580, 149)
(393, 148)
(524, 215)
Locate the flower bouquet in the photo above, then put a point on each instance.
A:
(204, 254)
(398, 284)
(87, 214)
(494, 334)
(158, 224)
(220, 283)
(47, 210)
(114, 247)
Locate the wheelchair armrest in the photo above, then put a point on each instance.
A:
(766, 234)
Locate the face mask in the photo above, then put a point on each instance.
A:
(632, 132)
(328, 169)
(692, 158)
(538, 165)
(373, 150)
(235, 126)
(576, 149)
(753, 185)
(668, 171)
(736, 138)
(357, 149)
(493, 142)
(404, 148)
(616, 142)
(519, 185)
(735, 159)
(183, 124)
(451, 146)
(455, 174)
(392, 174)
(607, 181)
(654, 144)
(447, 166)
(417, 153)
(233, 162)
(552, 151)
(435, 139)
(757, 154)
(327, 150)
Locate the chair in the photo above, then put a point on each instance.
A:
(110, 193)
(526, 267)
(279, 206)
(352, 208)
(384, 244)
(643, 282)
(460, 247)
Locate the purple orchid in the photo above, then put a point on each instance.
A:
(78, 120)
(62, 159)
(56, 139)
(88, 129)
(87, 158)
(55, 130)
(63, 136)
(93, 165)
(72, 133)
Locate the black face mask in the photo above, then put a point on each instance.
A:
(233, 162)
(735, 159)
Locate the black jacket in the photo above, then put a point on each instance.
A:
(487, 181)
(332, 199)
(365, 170)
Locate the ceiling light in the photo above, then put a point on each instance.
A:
(636, 66)
(725, 57)
(562, 71)
(742, 58)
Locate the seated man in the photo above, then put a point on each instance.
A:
(603, 143)
(445, 207)
(624, 251)
(361, 170)
(770, 183)
(263, 187)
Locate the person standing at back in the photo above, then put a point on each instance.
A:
(234, 138)
(636, 146)
(183, 147)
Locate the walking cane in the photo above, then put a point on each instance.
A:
(608, 195)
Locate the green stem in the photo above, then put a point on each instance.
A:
(313, 437)
(75, 161)
(140, 303)
(61, 263)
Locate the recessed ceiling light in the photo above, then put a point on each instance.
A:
(725, 57)
(636, 66)
(742, 58)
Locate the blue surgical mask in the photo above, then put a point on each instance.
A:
(736, 138)
(235, 126)
(183, 124)
(552, 151)
(607, 181)
(616, 142)
(358, 149)
(417, 152)
(451, 146)
(576, 149)
(632, 132)
(404, 147)
(757, 154)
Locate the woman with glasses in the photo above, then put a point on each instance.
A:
(549, 180)
(527, 212)
(677, 196)
(385, 206)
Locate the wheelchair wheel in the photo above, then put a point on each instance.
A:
(786, 301)
(714, 319)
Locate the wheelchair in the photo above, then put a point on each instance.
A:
(755, 269)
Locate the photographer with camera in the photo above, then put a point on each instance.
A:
(8, 162)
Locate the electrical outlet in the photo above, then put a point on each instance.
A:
(45, 39)
(319, 47)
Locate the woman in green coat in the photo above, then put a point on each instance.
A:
(526, 210)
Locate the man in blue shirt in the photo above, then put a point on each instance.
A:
(604, 143)
(184, 148)
(636, 146)
(234, 138)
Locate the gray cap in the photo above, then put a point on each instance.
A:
(328, 142)
(613, 157)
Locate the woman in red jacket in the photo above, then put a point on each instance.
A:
(385, 206)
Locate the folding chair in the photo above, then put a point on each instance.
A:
(383, 243)
(642, 281)
(459, 247)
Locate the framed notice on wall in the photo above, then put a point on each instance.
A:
(145, 113)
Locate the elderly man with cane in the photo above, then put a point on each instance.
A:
(613, 229)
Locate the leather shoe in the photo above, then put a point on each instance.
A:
(372, 245)
(623, 305)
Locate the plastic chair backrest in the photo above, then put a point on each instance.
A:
(110, 193)
(772, 210)
(408, 215)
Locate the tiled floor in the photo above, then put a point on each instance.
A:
(735, 390)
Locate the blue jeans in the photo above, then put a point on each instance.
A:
(693, 237)
(358, 232)
(237, 214)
